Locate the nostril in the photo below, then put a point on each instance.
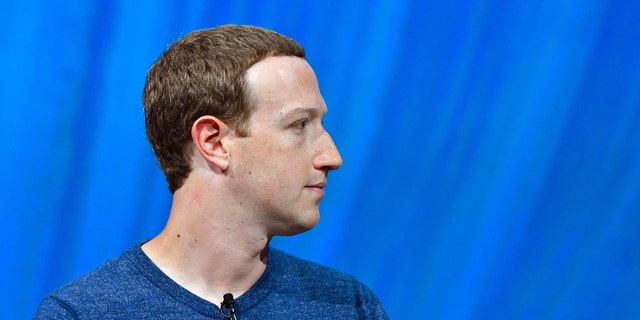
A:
(328, 161)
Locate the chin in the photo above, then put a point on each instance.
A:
(300, 226)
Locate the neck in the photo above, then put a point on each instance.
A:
(207, 253)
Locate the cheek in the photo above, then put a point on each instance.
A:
(274, 164)
(281, 174)
(266, 169)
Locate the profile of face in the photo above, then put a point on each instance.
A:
(281, 167)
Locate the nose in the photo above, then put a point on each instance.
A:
(328, 158)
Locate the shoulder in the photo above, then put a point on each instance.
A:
(104, 285)
(104, 278)
(304, 270)
(310, 273)
(93, 280)
(311, 282)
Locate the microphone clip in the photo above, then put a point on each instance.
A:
(227, 303)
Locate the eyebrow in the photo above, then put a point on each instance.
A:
(304, 110)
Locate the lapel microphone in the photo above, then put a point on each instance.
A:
(227, 303)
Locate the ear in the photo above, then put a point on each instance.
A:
(207, 133)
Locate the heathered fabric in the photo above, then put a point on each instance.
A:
(132, 287)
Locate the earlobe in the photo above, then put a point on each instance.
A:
(207, 133)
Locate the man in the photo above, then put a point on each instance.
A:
(234, 116)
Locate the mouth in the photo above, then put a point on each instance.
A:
(317, 187)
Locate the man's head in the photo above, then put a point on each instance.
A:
(204, 74)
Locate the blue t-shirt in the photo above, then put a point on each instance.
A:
(131, 286)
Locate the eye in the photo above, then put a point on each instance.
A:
(300, 124)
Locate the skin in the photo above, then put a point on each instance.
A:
(242, 191)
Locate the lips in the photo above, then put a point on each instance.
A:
(317, 187)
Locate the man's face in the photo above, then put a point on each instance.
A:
(281, 167)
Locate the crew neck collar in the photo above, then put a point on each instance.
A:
(243, 303)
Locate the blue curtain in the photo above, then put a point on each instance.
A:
(491, 148)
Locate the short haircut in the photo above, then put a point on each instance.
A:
(201, 74)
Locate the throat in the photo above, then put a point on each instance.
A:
(189, 262)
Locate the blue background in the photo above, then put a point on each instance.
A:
(491, 148)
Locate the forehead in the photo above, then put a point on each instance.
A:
(283, 84)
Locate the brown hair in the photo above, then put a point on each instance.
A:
(203, 74)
